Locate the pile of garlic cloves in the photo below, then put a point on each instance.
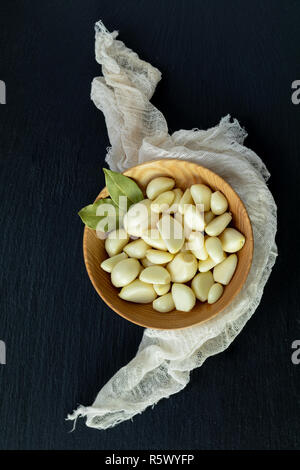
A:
(174, 247)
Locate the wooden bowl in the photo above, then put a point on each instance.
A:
(185, 174)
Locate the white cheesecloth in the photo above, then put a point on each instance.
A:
(138, 132)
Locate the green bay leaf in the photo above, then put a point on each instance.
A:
(91, 217)
(119, 185)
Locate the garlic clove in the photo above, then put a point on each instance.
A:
(158, 256)
(201, 285)
(136, 249)
(138, 292)
(218, 224)
(214, 249)
(232, 240)
(214, 293)
(115, 241)
(162, 289)
(162, 202)
(153, 238)
(164, 304)
(155, 275)
(172, 233)
(183, 267)
(218, 203)
(125, 272)
(158, 186)
(201, 194)
(194, 218)
(224, 271)
(183, 297)
(185, 201)
(108, 264)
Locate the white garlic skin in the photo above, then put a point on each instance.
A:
(232, 240)
(183, 267)
(162, 289)
(159, 185)
(155, 275)
(183, 296)
(201, 194)
(201, 285)
(171, 232)
(159, 256)
(164, 304)
(108, 264)
(218, 203)
(214, 293)
(218, 224)
(138, 292)
(116, 241)
(224, 271)
(125, 272)
(136, 249)
(214, 249)
(163, 202)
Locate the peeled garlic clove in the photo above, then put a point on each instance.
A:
(218, 224)
(138, 218)
(224, 271)
(172, 233)
(162, 289)
(207, 264)
(214, 293)
(125, 272)
(194, 218)
(195, 241)
(185, 201)
(201, 194)
(201, 285)
(145, 262)
(177, 197)
(115, 241)
(155, 275)
(136, 249)
(162, 202)
(232, 240)
(138, 292)
(218, 203)
(164, 303)
(108, 264)
(158, 186)
(183, 267)
(214, 249)
(153, 238)
(158, 256)
(208, 217)
(184, 297)
(200, 254)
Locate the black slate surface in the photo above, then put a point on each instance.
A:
(63, 343)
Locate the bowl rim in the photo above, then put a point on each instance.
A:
(142, 324)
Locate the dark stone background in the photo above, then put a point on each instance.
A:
(63, 343)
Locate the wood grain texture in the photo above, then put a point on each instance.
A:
(63, 342)
(185, 174)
